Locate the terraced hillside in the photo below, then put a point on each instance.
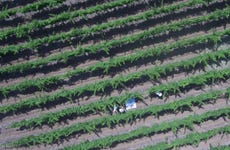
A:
(65, 64)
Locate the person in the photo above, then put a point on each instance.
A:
(115, 109)
(160, 94)
(122, 109)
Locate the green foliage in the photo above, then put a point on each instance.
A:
(221, 147)
(105, 106)
(120, 81)
(30, 7)
(119, 62)
(23, 30)
(192, 139)
(194, 81)
(84, 32)
(112, 43)
(228, 93)
(157, 128)
(128, 117)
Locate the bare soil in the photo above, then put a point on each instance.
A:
(8, 134)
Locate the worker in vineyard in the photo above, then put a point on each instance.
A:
(115, 109)
(159, 94)
(122, 109)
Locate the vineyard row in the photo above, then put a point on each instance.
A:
(84, 32)
(63, 133)
(107, 45)
(30, 7)
(113, 63)
(23, 30)
(118, 82)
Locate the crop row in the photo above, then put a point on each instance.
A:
(30, 7)
(33, 44)
(23, 30)
(52, 118)
(107, 45)
(220, 147)
(228, 95)
(106, 66)
(190, 139)
(94, 125)
(148, 131)
(121, 81)
(194, 81)
(104, 105)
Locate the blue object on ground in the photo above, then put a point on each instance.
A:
(131, 104)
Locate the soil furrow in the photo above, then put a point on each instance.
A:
(120, 129)
(168, 136)
(112, 34)
(142, 86)
(14, 4)
(58, 48)
(16, 98)
(74, 84)
(140, 105)
(62, 71)
(220, 139)
(89, 80)
(44, 13)
(93, 18)
(138, 88)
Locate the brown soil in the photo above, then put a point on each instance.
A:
(10, 134)
(115, 36)
(149, 121)
(89, 80)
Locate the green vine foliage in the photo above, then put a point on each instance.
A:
(84, 32)
(120, 81)
(109, 44)
(23, 30)
(93, 125)
(30, 7)
(105, 106)
(192, 139)
(222, 147)
(157, 128)
(121, 61)
(197, 81)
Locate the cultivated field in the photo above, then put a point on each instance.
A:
(65, 64)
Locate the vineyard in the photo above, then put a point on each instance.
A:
(67, 65)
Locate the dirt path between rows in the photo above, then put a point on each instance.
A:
(149, 121)
(169, 136)
(66, 25)
(220, 139)
(36, 113)
(140, 88)
(31, 15)
(18, 97)
(12, 134)
(119, 35)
